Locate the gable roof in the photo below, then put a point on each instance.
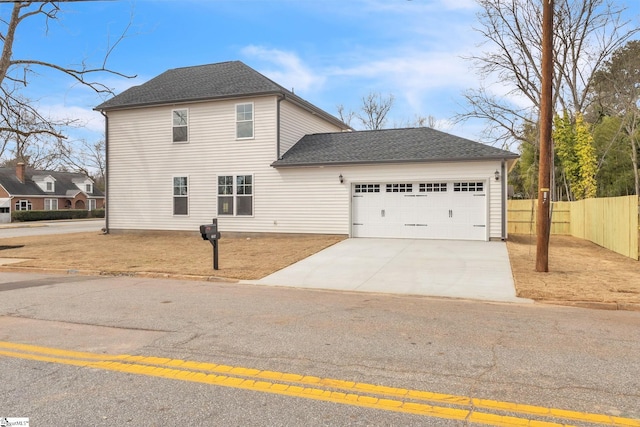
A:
(63, 183)
(412, 145)
(223, 80)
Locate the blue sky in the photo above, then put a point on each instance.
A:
(329, 52)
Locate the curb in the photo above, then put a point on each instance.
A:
(140, 274)
(621, 306)
(45, 223)
(593, 305)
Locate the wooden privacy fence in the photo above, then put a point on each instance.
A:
(610, 222)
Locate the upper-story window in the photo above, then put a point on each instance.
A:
(49, 186)
(244, 121)
(88, 188)
(180, 125)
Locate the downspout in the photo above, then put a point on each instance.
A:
(106, 172)
(280, 98)
(503, 196)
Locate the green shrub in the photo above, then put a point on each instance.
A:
(53, 215)
(97, 213)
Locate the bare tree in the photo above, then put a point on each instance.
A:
(374, 110)
(345, 116)
(586, 32)
(16, 72)
(424, 122)
(88, 158)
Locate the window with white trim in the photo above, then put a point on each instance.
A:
(92, 204)
(49, 186)
(433, 187)
(468, 186)
(367, 188)
(235, 195)
(50, 204)
(88, 188)
(244, 121)
(23, 205)
(180, 195)
(180, 126)
(399, 188)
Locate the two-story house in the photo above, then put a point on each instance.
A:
(224, 141)
(24, 189)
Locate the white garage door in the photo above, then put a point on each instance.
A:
(420, 210)
(5, 211)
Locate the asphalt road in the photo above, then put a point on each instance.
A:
(238, 355)
(39, 228)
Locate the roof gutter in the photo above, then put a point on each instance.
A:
(387, 162)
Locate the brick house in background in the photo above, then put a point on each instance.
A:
(27, 189)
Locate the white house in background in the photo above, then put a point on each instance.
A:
(224, 141)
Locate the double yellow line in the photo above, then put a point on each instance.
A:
(415, 402)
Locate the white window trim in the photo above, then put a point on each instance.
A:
(234, 194)
(27, 203)
(95, 202)
(253, 120)
(188, 196)
(173, 125)
(50, 203)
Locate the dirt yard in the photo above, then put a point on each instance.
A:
(580, 270)
(174, 253)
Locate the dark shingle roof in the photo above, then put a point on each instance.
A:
(232, 79)
(63, 185)
(387, 146)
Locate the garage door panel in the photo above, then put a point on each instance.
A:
(453, 210)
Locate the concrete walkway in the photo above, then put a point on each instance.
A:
(444, 268)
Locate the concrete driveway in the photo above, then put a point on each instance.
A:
(443, 268)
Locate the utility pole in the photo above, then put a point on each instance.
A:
(545, 124)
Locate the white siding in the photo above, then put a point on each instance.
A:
(143, 160)
(296, 122)
(312, 200)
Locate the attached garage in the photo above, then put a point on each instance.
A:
(415, 183)
(420, 210)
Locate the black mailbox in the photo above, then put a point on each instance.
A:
(210, 232)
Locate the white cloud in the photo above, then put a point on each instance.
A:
(414, 75)
(290, 70)
(86, 118)
(408, 7)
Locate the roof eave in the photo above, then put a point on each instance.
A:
(185, 101)
(276, 164)
(282, 93)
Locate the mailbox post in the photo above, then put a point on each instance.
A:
(210, 232)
